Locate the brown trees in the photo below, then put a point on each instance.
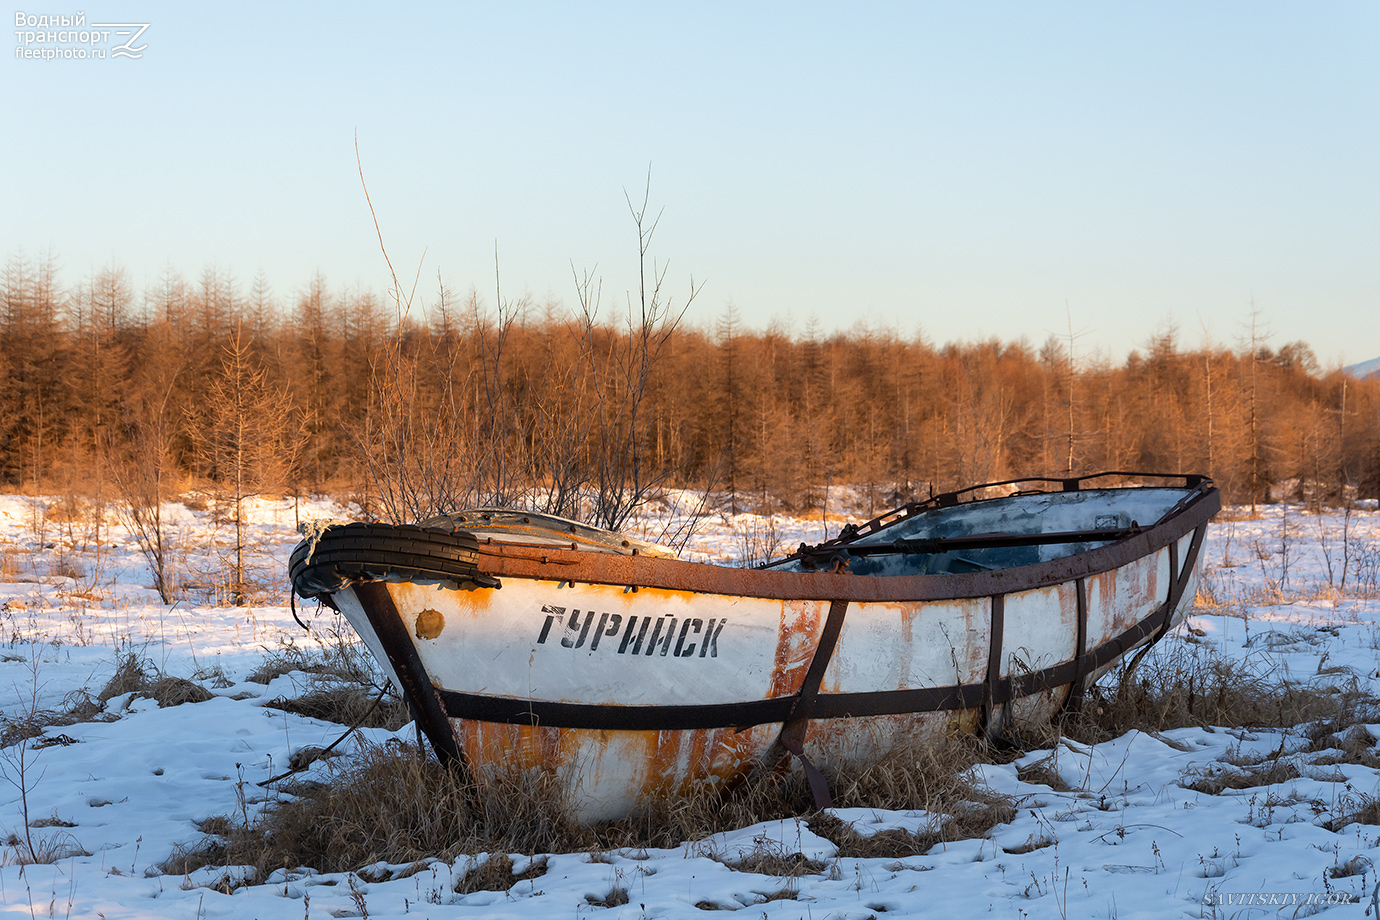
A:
(451, 402)
(246, 436)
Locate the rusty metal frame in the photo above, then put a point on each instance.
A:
(425, 699)
(851, 532)
(675, 575)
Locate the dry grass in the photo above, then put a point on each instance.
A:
(1191, 688)
(1357, 809)
(1215, 779)
(1031, 844)
(340, 662)
(78, 706)
(45, 850)
(771, 858)
(395, 803)
(1043, 773)
(616, 897)
(141, 680)
(494, 872)
(132, 675)
(347, 705)
(962, 821)
(341, 687)
(1341, 744)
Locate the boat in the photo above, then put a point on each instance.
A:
(523, 641)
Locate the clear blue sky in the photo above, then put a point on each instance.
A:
(963, 169)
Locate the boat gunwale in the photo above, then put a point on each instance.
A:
(637, 572)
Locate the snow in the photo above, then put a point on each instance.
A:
(1127, 838)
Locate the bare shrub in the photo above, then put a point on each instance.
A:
(454, 419)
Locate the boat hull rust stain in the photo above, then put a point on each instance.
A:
(624, 677)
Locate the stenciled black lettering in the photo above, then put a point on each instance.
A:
(614, 620)
(682, 650)
(710, 642)
(552, 615)
(656, 636)
(694, 639)
(670, 634)
(641, 633)
(569, 640)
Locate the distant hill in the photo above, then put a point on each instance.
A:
(1365, 368)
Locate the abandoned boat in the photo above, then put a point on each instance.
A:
(526, 641)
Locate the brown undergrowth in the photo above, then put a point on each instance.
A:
(341, 686)
(396, 804)
(1190, 688)
(133, 675)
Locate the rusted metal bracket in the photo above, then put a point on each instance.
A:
(797, 723)
(1074, 701)
(992, 694)
(407, 664)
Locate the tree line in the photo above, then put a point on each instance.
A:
(445, 400)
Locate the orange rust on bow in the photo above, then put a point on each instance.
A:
(658, 762)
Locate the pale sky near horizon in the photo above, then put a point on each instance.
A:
(965, 170)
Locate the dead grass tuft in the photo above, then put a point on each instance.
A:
(1043, 773)
(132, 675)
(1336, 744)
(174, 691)
(1215, 779)
(344, 663)
(1359, 808)
(141, 680)
(1356, 865)
(494, 872)
(395, 803)
(78, 706)
(616, 897)
(1031, 844)
(52, 821)
(962, 821)
(347, 704)
(1198, 688)
(45, 850)
(770, 858)
(389, 803)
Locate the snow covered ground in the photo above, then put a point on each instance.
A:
(1126, 838)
